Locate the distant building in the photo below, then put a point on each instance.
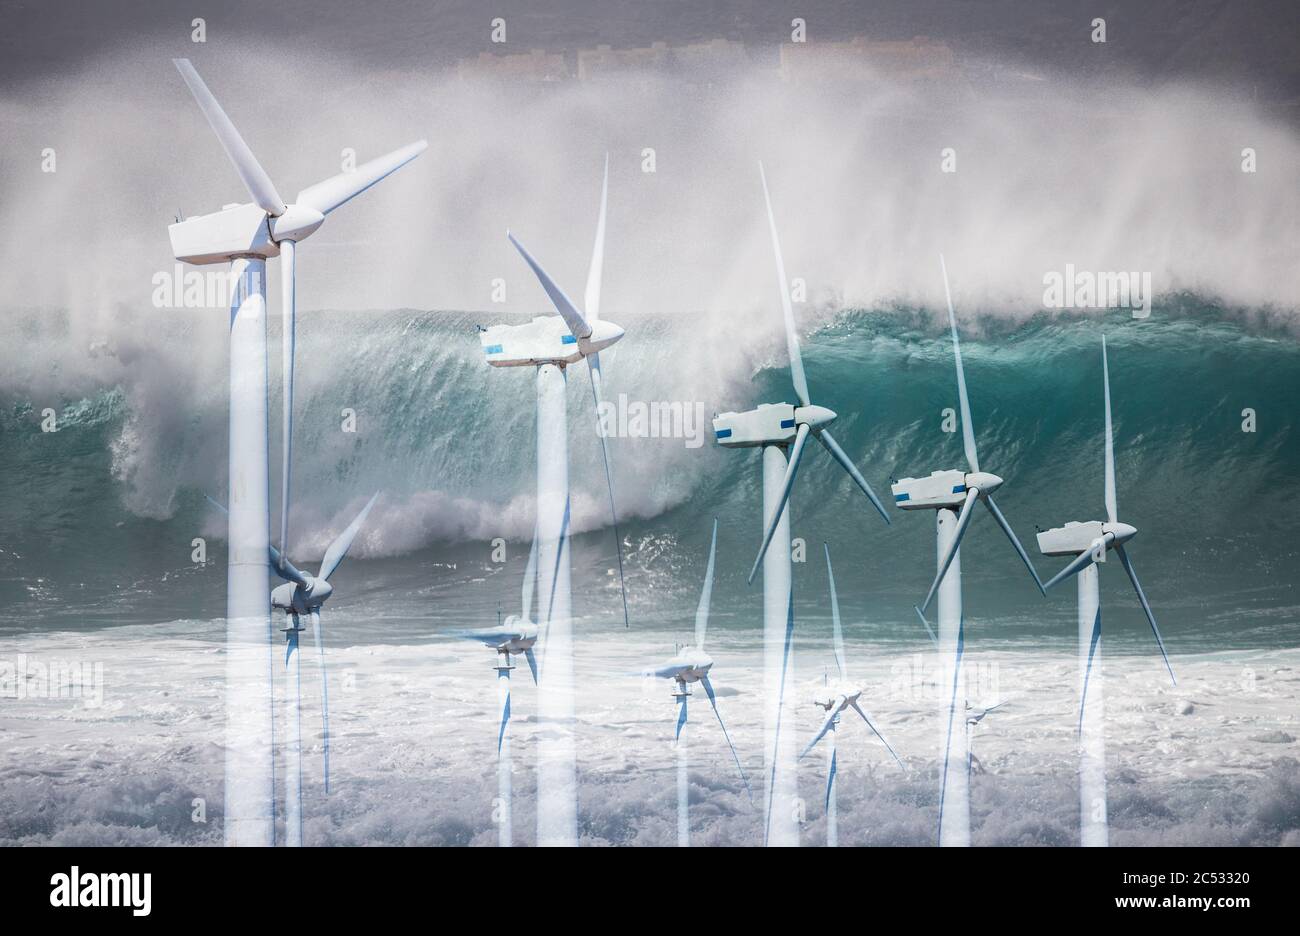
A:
(605, 59)
(917, 59)
(533, 65)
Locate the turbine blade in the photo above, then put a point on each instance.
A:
(562, 544)
(285, 569)
(591, 298)
(1146, 607)
(713, 700)
(324, 694)
(706, 594)
(505, 719)
(828, 442)
(681, 716)
(338, 190)
(967, 428)
(796, 452)
(780, 705)
(1006, 528)
(837, 633)
(251, 173)
(572, 317)
(1087, 672)
(826, 726)
(963, 521)
(1112, 510)
(339, 548)
(593, 368)
(530, 579)
(857, 708)
(532, 663)
(928, 629)
(217, 504)
(288, 313)
(797, 376)
(952, 706)
(830, 778)
(1079, 562)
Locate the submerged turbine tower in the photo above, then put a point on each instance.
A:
(246, 236)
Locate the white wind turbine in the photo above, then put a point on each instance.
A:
(688, 665)
(1089, 542)
(517, 635)
(304, 594)
(834, 698)
(550, 344)
(947, 492)
(246, 236)
(781, 430)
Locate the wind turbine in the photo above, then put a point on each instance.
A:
(550, 344)
(973, 717)
(515, 636)
(690, 665)
(304, 594)
(1089, 543)
(834, 698)
(246, 236)
(781, 430)
(947, 492)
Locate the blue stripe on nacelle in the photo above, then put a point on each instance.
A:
(899, 498)
(959, 489)
(492, 349)
(787, 424)
(568, 339)
(723, 433)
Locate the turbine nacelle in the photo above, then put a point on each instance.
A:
(770, 423)
(940, 489)
(516, 635)
(838, 695)
(690, 664)
(544, 340)
(292, 598)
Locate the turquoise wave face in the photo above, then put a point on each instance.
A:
(1207, 453)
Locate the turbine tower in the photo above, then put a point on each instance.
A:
(246, 236)
(550, 345)
(1089, 543)
(835, 698)
(781, 430)
(517, 635)
(690, 665)
(952, 495)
